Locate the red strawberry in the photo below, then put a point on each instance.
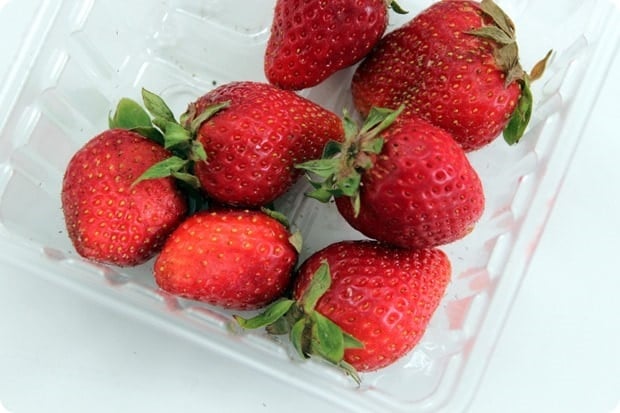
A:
(242, 140)
(456, 65)
(254, 144)
(361, 305)
(110, 217)
(233, 259)
(413, 187)
(311, 40)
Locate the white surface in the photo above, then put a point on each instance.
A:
(557, 353)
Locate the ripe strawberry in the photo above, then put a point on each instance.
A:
(242, 140)
(456, 64)
(252, 146)
(313, 39)
(236, 259)
(361, 305)
(413, 187)
(110, 217)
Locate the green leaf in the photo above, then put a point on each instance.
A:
(356, 202)
(197, 121)
(499, 16)
(197, 152)
(351, 342)
(494, 33)
(397, 7)
(296, 240)
(327, 338)
(373, 146)
(350, 127)
(349, 185)
(323, 168)
(277, 215)
(374, 118)
(188, 178)
(279, 327)
(150, 133)
(175, 135)
(521, 116)
(273, 312)
(298, 337)
(507, 58)
(129, 115)
(186, 117)
(331, 149)
(319, 284)
(160, 123)
(163, 169)
(380, 119)
(320, 193)
(156, 106)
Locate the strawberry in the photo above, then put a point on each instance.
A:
(252, 146)
(311, 40)
(242, 140)
(360, 305)
(110, 217)
(237, 259)
(456, 64)
(412, 186)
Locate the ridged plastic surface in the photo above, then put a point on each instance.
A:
(83, 56)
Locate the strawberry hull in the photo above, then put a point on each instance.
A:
(74, 65)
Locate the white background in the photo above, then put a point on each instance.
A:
(559, 351)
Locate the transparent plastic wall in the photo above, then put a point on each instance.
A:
(81, 57)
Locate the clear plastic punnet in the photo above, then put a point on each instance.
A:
(81, 57)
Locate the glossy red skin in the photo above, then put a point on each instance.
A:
(229, 258)
(109, 220)
(421, 192)
(383, 296)
(441, 73)
(311, 40)
(253, 145)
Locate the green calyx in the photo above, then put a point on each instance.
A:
(502, 32)
(157, 122)
(342, 164)
(310, 332)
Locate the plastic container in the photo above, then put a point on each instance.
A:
(81, 57)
